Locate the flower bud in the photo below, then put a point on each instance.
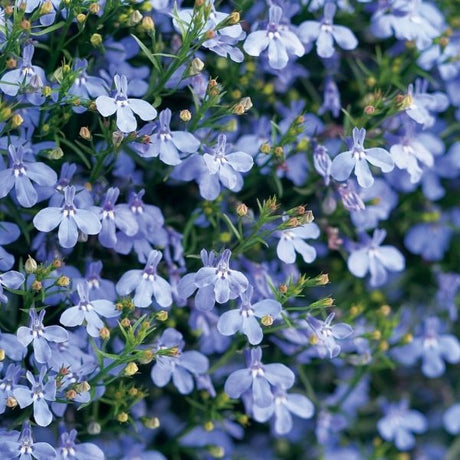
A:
(85, 133)
(242, 210)
(313, 339)
(147, 24)
(96, 40)
(25, 24)
(46, 8)
(122, 417)
(94, 8)
(104, 333)
(81, 18)
(2, 354)
(283, 288)
(83, 387)
(385, 310)
(117, 138)
(185, 115)
(267, 320)
(131, 369)
(208, 426)
(94, 428)
(407, 338)
(63, 281)
(216, 451)
(16, 120)
(135, 18)
(147, 357)
(196, 66)
(11, 402)
(151, 422)
(162, 315)
(234, 18)
(36, 286)
(125, 322)
(30, 265)
(71, 394)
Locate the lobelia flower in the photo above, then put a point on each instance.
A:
(8, 383)
(40, 335)
(277, 37)
(88, 311)
(8, 233)
(112, 217)
(258, 379)
(182, 366)
(432, 347)
(25, 448)
(244, 319)
(84, 85)
(69, 218)
(124, 107)
(282, 407)
(69, 449)
(25, 75)
(20, 174)
(376, 259)
(326, 32)
(323, 335)
(448, 287)
(331, 100)
(38, 395)
(398, 424)
(146, 284)
(451, 419)
(292, 241)
(218, 283)
(165, 143)
(10, 280)
(356, 159)
(99, 288)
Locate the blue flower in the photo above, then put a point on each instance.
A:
(292, 241)
(376, 259)
(258, 379)
(451, 419)
(399, 423)
(20, 174)
(68, 448)
(99, 288)
(323, 335)
(432, 347)
(165, 143)
(40, 335)
(25, 447)
(124, 107)
(326, 32)
(244, 319)
(284, 404)
(331, 99)
(277, 37)
(84, 85)
(38, 395)
(69, 218)
(448, 287)
(10, 280)
(24, 76)
(112, 217)
(181, 367)
(146, 283)
(8, 383)
(357, 158)
(88, 311)
(8, 233)
(218, 283)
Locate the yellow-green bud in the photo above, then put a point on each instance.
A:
(16, 120)
(151, 422)
(30, 265)
(196, 67)
(81, 18)
(208, 426)
(267, 320)
(2, 354)
(85, 133)
(94, 428)
(147, 24)
(185, 115)
(96, 40)
(135, 18)
(122, 417)
(131, 369)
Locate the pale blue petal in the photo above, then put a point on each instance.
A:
(325, 44)
(299, 405)
(162, 292)
(106, 106)
(381, 158)
(68, 233)
(47, 219)
(277, 54)
(87, 222)
(25, 192)
(229, 322)
(238, 382)
(342, 166)
(128, 282)
(256, 42)
(126, 122)
(240, 161)
(344, 37)
(285, 251)
(73, 316)
(185, 142)
(252, 330)
(358, 263)
(363, 173)
(142, 108)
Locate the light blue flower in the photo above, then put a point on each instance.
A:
(326, 32)
(292, 241)
(376, 259)
(356, 159)
(244, 318)
(146, 283)
(277, 37)
(70, 220)
(124, 107)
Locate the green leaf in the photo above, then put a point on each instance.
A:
(47, 30)
(232, 227)
(150, 56)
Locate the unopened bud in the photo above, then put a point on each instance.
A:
(385, 310)
(2, 354)
(94, 428)
(196, 66)
(313, 340)
(11, 402)
(162, 315)
(25, 24)
(151, 422)
(185, 115)
(46, 8)
(146, 357)
(147, 24)
(369, 110)
(57, 263)
(122, 417)
(407, 338)
(283, 288)
(265, 148)
(208, 426)
(104, 333)
(267, 320)
(322, 279)
(71, 394)
(16, 120)
(131, 369)
(383, 345)
(96, 40)
(117, 138)
(55, 154)
(36, 286)
(94, 8)
(11, 63)
(278, 151)
(81, 18)
(85, 133)
(238, 109)
(135, 18)
(216, 451)
(63, 281)
(376, 335)
(242, 210)
(30, 266)
(209, 34)
(83, 387)
(125, 322)
(234, 18)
